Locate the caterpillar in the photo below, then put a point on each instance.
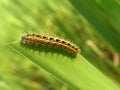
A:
(50, 42)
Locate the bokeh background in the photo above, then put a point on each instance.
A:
(48, 17)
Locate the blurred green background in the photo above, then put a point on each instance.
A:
(57, 18)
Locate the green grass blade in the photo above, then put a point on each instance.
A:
(99, 20)
(76, 72)
(112, 9)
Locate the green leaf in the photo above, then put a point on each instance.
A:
(76, 72)
(99, 20)
(112, 9)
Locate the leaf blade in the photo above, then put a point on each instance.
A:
(77, 73)
(99, 20)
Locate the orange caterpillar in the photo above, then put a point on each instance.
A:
(49, 41)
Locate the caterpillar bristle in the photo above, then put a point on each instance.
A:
(50, 42)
